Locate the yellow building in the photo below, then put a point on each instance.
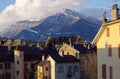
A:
(108, 46)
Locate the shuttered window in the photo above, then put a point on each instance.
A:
(119, 50)
(104, 70)
(111, 72)
(108, 32)
(109, 50)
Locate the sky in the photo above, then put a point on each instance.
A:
(12, 11)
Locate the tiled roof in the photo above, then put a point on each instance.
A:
(84, 48)
(30, 53)
(81, 48)
(43, 62)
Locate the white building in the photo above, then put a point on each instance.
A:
(65, 67)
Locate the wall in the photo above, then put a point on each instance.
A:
(102, 52)
(64, 74)
(52, 67)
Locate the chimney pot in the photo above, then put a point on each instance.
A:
(115, 12)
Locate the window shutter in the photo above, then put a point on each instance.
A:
(104, 71)
(109, 50)
(111, 72)
(108, 32)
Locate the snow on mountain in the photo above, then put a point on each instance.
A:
(65, 23)
(32, 31)
(14, 29)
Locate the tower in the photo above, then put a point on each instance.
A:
(19, 63)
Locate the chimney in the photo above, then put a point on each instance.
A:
(115, 12)
(43, 57)
(104, 20)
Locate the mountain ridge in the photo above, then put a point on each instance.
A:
(67, 23)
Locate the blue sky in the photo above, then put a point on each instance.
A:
(5, 3)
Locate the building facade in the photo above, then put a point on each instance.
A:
(108, 46)
(69, 69)
(17, 63)
(86, 53)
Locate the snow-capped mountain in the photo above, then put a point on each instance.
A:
(65, 23)
(14, 29)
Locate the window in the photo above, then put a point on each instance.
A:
(60, 69)
(32, 65)
(109, 50)
(111, 72)
(119, 50)
(8, 76)
(67, 53)
(63, 53)
(69, 69)
(26, 67)
(46, 68)
(17, 72)
(0, 76)
(46, 77)
(1, 66)
(7, 65)
(75, 69)
(20, 55)
(108, 32)
(104, 71)
(3, 77)
(17, 62)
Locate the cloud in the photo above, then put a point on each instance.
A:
(34, 9)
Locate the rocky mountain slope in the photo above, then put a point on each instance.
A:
(66, 23)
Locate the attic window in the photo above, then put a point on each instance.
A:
(108, 32)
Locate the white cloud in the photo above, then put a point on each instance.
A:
(34, 9)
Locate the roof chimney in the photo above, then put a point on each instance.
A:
(115, 12)
(104, 20)
(43, 57)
